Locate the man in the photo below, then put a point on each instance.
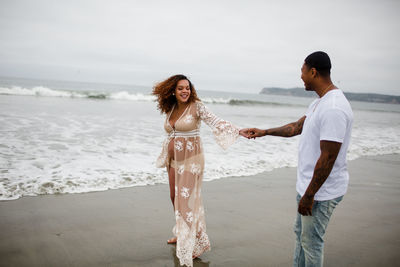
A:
(322, 176)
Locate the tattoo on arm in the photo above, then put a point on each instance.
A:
(329, 153)
(288, 130)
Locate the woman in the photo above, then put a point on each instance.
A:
(182, 155)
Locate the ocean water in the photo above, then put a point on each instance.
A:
(68, 137)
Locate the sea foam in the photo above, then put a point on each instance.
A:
(54, 144)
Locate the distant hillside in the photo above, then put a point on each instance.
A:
(377, 98)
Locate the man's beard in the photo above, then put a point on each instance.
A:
(308, 87)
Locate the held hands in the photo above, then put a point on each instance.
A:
(245, 133)
(252, 133)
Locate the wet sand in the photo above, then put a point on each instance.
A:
(249, 222)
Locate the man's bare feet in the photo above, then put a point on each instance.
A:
(172, 240)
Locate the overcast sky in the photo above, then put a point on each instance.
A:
(221, 45)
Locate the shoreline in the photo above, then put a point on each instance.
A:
(265, 173)
(249, 222)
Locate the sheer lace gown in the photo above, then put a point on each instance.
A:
(183, 151)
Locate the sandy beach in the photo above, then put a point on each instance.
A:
(249, 222)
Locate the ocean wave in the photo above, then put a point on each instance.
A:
(57, 152)
(242, 102)
(41, 91)
(78, 170)
(48, 92)
(257, 102)
(83, 183)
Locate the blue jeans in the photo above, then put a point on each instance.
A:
(310, 231)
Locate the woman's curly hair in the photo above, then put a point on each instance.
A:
(165, 89)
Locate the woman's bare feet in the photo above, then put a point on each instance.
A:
(172, 240)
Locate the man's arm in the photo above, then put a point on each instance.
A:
(288, 130)
(329, 153)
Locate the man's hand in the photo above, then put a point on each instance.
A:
(255, 132)
(245, 133)
(252, 132)
(305, 205)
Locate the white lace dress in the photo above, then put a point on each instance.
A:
(183, 151)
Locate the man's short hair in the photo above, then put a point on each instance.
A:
(320, 61)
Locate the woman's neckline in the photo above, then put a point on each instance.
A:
(173, 107)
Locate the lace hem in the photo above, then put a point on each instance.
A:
(188, 243)
(226, 134)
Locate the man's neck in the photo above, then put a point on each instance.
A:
(324, 88)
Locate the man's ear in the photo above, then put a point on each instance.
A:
(313, 72)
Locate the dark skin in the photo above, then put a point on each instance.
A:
(288, 130)
(313, 81)
(323, 167)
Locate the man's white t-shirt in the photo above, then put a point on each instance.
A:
(328, 118)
